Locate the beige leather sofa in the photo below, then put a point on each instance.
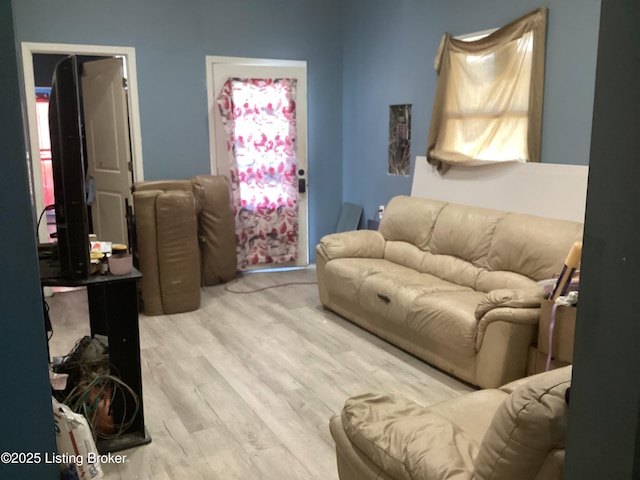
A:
(185, 239)
(452, 284)
(516, 432)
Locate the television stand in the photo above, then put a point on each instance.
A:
(113, 312)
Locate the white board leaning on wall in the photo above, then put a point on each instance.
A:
(544, 189)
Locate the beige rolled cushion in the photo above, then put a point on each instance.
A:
(178, 253)
(216, 227)
(147, 238)
(163, 185)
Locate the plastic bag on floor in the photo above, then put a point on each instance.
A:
(75, 443)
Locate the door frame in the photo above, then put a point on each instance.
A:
(302, 149)
(129, 56)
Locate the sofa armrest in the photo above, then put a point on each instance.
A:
(506, 297)
(513, 315)
(357, 243)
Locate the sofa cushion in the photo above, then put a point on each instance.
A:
(487, 281)
(532, 246)
(447, 267)
(464, 232)
(405, 254)
(410, 219)
(392, 293)
(450, 268)
(447, 319)
(347, 274)
(406, 440)
(388, 278)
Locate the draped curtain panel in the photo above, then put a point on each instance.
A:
(260, 118)
(488, 104)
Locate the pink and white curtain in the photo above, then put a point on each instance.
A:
(260, 118)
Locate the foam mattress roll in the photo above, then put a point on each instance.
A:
(178, 253)
(144, 204)
(163, 185)
(216, 228)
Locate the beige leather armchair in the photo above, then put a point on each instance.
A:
(514, 432)
(185, 238)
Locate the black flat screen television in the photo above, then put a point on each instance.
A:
(68, 165)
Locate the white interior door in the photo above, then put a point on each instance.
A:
(106, 122)
(219, 70)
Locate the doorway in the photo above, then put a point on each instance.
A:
(278, 220)
(127, 55)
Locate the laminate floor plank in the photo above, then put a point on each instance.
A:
(278, 464)
(276, 413)
(244, 387)
(240, 420)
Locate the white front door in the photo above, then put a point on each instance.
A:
(219, 70)
(106, 121)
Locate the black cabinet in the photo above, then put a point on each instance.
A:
(113, 312)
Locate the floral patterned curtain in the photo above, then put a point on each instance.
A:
(259, 116)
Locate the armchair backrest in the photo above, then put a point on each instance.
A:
(526, 438)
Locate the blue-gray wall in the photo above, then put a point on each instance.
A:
(173, 37)
(26, 416)
(363, 55)
(388, 59)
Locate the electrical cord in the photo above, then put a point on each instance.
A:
(278, 285)
(86, 397)
(45, 209)
(93, 381)
(47, 320)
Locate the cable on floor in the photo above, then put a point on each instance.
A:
(278, 285)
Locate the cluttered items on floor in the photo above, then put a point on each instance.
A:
(85, 387)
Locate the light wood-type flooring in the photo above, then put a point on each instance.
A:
(244, 387)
